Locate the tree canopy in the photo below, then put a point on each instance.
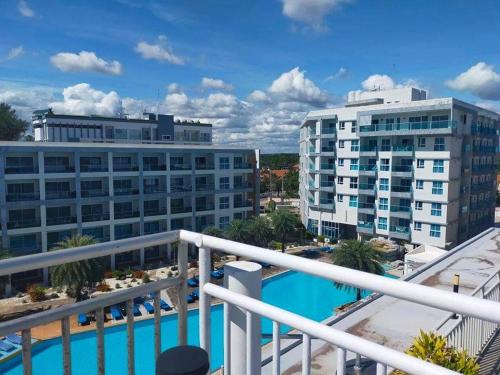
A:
(11, 126)
(284, 223)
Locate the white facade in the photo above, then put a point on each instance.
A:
(394, 164)
(49, 191)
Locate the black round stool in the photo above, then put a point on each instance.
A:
(183, 360)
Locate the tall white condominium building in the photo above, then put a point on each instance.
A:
(397, 165)
(75, 181)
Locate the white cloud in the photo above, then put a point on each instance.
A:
(258, 96)
(342, 73)
(217, 84)
(378, 82)
(490, 106)
(311, 12)
(85, 61)
(82, 99)
(481, 79)
(160, 51)
(13, 53)
(173, 87)
(294, 86)
(25, 9)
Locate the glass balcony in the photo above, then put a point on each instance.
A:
(60, 194)
(205, 187)
(483, 168)
(402, 148)
(242, 166)
(204, 166)
(398, 229)
(484, 149)
(243, 204)
(155, 211)
(125, 168)
(365, 224)
(408, 126)
(58, 220)
(243, 185)
(368, 148)
(400, 208)
(22, 197)
(154, 190)
(93, 168)
(59, 169)
(95, 217)
(20, 169)
(180, 188)
(180, 167)
(328, 166)
(23, 223)
(121, 236)
(367, 187)
(126, 214)
(365, 205)
(206, 207)
(402, 168)
(154, 167)
(180, 209)
(94, 193)
(401, 189)
(328, 130)
(368, 167)
(126, 191)
(328, 149)
(327, 184)
(478, 129)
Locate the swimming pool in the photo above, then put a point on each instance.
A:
(303, 294)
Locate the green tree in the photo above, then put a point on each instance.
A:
(214, 232)
(291, 184)
(358, 255)
(76, 275)
(261, 231)
(11, 126)
(284, 223)
(4, 280)
(238, 231)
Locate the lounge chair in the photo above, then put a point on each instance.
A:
(138, 300)
(218, 274)
(189, 298)
(5, 346)
(115, 313)
(15, 339)
(193, 282)
(165, 306)
(264, 264)
(149, 307)
(195, 294)
(83, 319)
(137, 311)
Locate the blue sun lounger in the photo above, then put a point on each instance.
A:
(5, 346)
(219, 274)
(116, 313)
(193, 282)
(149, 307)
(189, 298)
(136, 310)
(165, 306)
(15, 339)
(195, 294)
(83, 319)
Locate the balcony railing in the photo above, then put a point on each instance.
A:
(20, 169)
(22, 197)
(205, 207)
(23, 223)
(366, 205)
(399, 229)
(368, 167)
(93, 168)
(59, 169)
(126, 191)
(326, 184)
(328, 166)
(60, 194)
(400, 209)
(402, 168)
(484, 149)
(126, 214)
(243, 185)
(154, 167)
(180, 209)
(180, 188)
(125, 168)
(328, 149)
(247, 203)
(205, 187)
(242, 166)
(94, 193)
(204, 166)
(365, 224)
(408, 126)
(368, 148)
(402, 148)
(95, 217)
(155, 211)
(385, 357)
(154, 190)
(401, 189)
(478, 129)
(364, 186)
(58, 220)
(180, 167)
(328, 130)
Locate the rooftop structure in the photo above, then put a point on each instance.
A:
(395, 164)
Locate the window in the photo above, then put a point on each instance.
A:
(384, 184)
(418, 206)
(340, 180)
(353, 201)
(439, 144)
(353, 183)
(419, 184)
(382, 223)
(223, 221)
(386, 145)
(341, 144)
(340, 198)
(224, 183)
(418, 226)
(383, 204)
(436, 209)
(421, 142)
(354, 165)
(223, 203)
(341, 162)
(341, 125)
(437, 188)
(384, 164)
(438, 166)
(420, 163)
(224, 163)
(435, 230)
(355, 145)
(353, 127)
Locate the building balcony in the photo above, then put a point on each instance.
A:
(486, 186)
(119, 192)
(368, 150)
(205, 187)
(94, 193)
(402, 168)
(23, 223)
(400, 232)
(243, 185)
(367, 169)
(204, 167)
(21, 169)
(365, 227)
(328, 131)
(400, 211)
(59, 169)
(327, 204)
(93, 168)
(367, 189)
(180, 188)
(364, 207)
(154, 167)
(180, 167)
(242, 204)
(154, 190)
(180, 209)
(484, 168)
(125, 168)
(121, 236)
(482, 130)
(126, 214)
(59, 220)
(484, 149)
(242, 166)
(95, 217)
(428, 127)
(22, 197)
(205, 207)
(155, 211)
(328, 149)
(402, 149)
(62, 194)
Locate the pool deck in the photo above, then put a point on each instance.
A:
(392, 322)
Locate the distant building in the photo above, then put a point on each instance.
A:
(395, 164)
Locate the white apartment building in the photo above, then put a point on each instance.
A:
(53, 190)
(395, 164)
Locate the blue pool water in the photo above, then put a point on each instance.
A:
(303, 294)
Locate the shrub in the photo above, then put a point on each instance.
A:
(103, 287)
(275, 245)
(174, 268)
(145, 278)
(53, 296)
(170, 273)
(138, 274)
(19, 295)
(133, 280)
(118, 286)
(432, 347)
(37, 293)
(119, 275)
(321, 238)
(108, 274)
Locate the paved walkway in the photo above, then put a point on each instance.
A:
(489, 361)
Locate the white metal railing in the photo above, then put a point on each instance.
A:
(470, 333)
(481, 309)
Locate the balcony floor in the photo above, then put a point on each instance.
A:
(475, 263)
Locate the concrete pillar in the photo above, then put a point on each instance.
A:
(244, 278)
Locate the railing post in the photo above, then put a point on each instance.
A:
(381, 369)
(26, 348)
(276, 348)
(182, 258)
(66, 343)
(157, 324)
(204, 267)
(243, 278)
(341, 356)
(130, 337)
(306, 354)
(99, 317)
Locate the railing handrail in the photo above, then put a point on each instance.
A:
(372, 350)
(417, 293)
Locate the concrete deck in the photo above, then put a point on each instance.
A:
(394, 323)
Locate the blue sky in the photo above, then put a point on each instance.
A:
(265, 62)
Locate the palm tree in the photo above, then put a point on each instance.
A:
(358, 255)
(284, 223)
(214, 232)
(238, 231)
(261, 231)
(6, 279)
(74, 276)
